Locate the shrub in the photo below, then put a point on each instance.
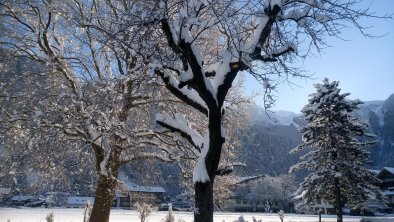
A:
(144, 210)
(88, 212)
(50, 217)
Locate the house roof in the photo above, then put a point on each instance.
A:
(131, 186)
(58, 193)
(388, 192)
(21, 198)
(390, 169)
(145, 189)
(74, 200)
(5, 191)
(386, 169)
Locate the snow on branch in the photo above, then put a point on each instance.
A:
(227, 169)
(188, 96)
(146, 155)
(180, 124)
(249, 178)
(190, 56)
(271, 57)
(224, 73)
(262, 32)
(103, 165)
(200, 173)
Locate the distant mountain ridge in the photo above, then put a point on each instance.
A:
(273, 134)
(380, 116)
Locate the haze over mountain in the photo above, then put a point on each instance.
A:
(273, 134)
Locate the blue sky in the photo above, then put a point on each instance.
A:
(364, 66)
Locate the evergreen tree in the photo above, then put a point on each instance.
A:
(337, 163)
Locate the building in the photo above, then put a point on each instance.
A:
(323, 207)
(19, 200)
(239, 204)
(78, 202)
(56, 199)
(133, 193)
(386, 175)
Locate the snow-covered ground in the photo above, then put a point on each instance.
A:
(76, 215)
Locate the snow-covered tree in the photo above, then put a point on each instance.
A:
(196, 47)
(91, 98)
(338, 174)
(200, 47)
(268, 189)
(34, 159)
(91, 94)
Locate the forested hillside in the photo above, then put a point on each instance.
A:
(272, 135)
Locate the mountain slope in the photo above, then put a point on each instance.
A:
(272, 135)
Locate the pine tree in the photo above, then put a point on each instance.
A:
(338, 175)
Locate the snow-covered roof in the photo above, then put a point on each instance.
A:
(386, 169)
(323, 206)
(390, 169)
(376, 172)
(21, 197)
(58, 193)
(131, 186)
(145, 189)
(120, 194)
(388, 192)
(79, 200)
(4, 191)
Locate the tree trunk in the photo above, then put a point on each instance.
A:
(106, 187)
(203, 192)
(104, 195)
(338, 201)
(203, 202)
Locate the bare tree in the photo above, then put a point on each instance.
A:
(144, 210)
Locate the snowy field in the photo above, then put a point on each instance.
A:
(76, 215)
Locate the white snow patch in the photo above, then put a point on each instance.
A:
(103, 167)
(180, 123)
(118, 215)
(200, 173)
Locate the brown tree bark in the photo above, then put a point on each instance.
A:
(106, 187)
(338, 201)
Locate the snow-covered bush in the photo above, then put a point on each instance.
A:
(281, 214)
(87, 212)
(169, 217)
(144, 210)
